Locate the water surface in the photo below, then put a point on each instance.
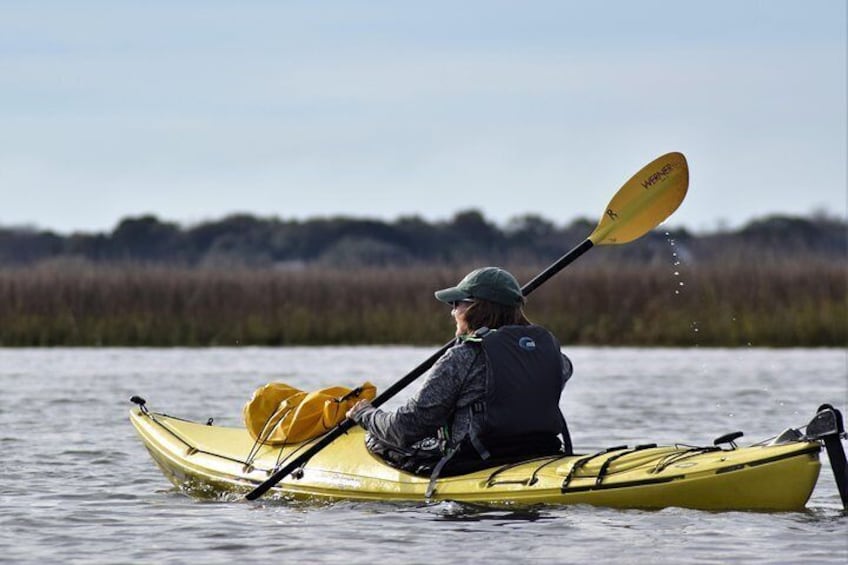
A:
(79, 487)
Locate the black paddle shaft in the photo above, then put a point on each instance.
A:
(347, 424)
(556, 267)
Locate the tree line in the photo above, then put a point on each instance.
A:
(249, 241)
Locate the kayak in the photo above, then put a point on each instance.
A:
(206, 460)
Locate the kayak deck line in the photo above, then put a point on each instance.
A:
(192, 449)
(812, 450)
(606, 486)
(248, 465)
(548, 460)
(678, 457)
(605, 467)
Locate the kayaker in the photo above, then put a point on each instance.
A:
(493, 397)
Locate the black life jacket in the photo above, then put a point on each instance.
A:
(524, 381)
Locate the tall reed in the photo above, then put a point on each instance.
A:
(82, 305)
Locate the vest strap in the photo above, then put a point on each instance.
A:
(437, 470)
(478, 446)
(477, 408)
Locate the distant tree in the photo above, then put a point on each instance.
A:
(529, 228)
(357, 251)
(423, 240)
(792, 235)
(234, 231)
(145, 239)
(20, 246)
(94, 247)
(475, 238)
(468, 237)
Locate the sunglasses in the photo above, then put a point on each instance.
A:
(456, 303)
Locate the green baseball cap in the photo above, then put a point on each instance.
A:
(489, 283)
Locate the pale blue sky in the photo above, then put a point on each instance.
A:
(193, 110)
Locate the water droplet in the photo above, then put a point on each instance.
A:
(680, 283)
(671, 243)
(676, 273)
(676, 263)
(676, 292)
(697, 330)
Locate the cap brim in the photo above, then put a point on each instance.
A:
(452, 294)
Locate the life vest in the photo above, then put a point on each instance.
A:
(524, 380)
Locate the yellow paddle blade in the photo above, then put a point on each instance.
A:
(648, 198)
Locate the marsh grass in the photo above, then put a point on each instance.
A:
(82, 305)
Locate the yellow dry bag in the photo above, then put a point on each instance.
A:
(279, 414)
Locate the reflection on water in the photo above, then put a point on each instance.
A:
(466, 512)
(79, 486)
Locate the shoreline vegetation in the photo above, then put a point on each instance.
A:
(774, 305)
(776, 282)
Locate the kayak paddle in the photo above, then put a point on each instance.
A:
(646, 200)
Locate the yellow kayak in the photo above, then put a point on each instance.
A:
(207, 460)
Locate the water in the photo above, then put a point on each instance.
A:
(78, 487)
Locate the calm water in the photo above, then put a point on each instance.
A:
(77, 486)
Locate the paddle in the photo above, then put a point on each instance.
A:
(644, 201)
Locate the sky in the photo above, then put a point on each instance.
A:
(193, 110)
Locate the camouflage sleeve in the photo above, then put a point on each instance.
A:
(430, 408)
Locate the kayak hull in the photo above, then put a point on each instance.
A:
(205, 460)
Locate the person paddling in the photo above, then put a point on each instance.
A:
(492, 398)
